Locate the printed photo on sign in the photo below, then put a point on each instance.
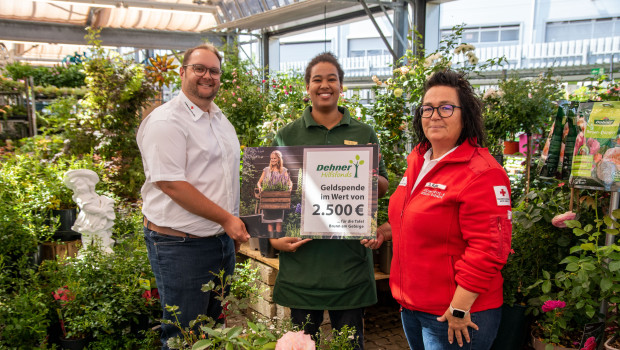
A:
(320, 192)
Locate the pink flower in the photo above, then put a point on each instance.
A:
(240, 88)
(579, 141)
(295, 341)
(234, 105)
(239, 99)
(559, 220)
(590, 344)
(551, 305)
(264, 80)
(233, 94)
(593, 145)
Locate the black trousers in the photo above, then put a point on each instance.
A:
(312, 319)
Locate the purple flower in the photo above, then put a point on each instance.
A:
(298, 208)
(551, 305)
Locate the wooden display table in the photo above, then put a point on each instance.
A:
(275, 262)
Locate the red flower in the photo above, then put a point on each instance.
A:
(590, 344)
(63, 294)
(149, 295)
(551, 305)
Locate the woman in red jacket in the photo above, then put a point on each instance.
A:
(450, 219)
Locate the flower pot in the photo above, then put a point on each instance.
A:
(73, 344)
(275, 200)
(538, 344)
(511, 147)
(266, 249)
(139, 323)
(609, 342)
(66, 219)
(385, 257)
(512, 330)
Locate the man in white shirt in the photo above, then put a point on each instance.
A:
(190, 152)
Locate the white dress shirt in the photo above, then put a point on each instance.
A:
(428, 165)
(180, 142)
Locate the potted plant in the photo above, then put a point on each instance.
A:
(537, 245)
(591, 276)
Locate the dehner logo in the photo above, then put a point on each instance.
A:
(605, 121)
(356, 164)
(332, 170)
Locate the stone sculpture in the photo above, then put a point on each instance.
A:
(96, 217)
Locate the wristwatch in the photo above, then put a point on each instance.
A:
(458, 313)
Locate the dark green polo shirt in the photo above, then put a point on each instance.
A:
(326, 274)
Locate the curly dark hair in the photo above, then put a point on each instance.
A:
(471, 109)
(324, 57)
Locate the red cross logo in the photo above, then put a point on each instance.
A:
(502, 192)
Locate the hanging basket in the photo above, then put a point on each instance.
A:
(275, 200)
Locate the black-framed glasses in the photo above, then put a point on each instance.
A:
(201, 70)
(444, 111)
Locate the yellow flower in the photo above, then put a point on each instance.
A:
(398, 92)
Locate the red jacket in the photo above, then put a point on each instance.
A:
(454, 229)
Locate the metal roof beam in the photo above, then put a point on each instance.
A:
(321, 22)
(57, 33)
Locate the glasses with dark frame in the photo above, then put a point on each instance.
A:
(201, 70)
(444, 111)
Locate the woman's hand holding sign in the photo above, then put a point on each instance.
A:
(288, 244)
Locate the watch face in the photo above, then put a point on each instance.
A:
(458, 313)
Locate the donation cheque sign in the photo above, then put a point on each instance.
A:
(320, 192)
(338, 193)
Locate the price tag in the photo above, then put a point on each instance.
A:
(337, 192)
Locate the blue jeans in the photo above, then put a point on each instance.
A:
(424, 332)
(312, 320)
(181, 266)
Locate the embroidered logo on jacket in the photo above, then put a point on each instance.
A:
(403, 181)
(432, 193)
(501, 195)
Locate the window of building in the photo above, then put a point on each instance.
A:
(492, 35)
(582, 29)
(362, 47)
(291, 52)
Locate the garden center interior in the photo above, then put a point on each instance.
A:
(78, 76)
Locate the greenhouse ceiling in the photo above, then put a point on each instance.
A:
(46, 30)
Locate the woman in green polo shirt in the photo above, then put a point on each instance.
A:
(334, 275)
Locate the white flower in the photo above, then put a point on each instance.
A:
(404, 70)
(489, 93)
(430, 60)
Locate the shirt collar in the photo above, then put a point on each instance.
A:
(195, 112)
(309, 121)
(427, 155)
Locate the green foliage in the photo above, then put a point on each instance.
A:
(24, 315)
(241, 96)
(520, 105)
(399, 95)
(590, 275)
(286, 103)
(104, 290)
(117, 92)
(70, 76)
(537, 244)
(599, 89)
(244, 283)
(205, 333)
